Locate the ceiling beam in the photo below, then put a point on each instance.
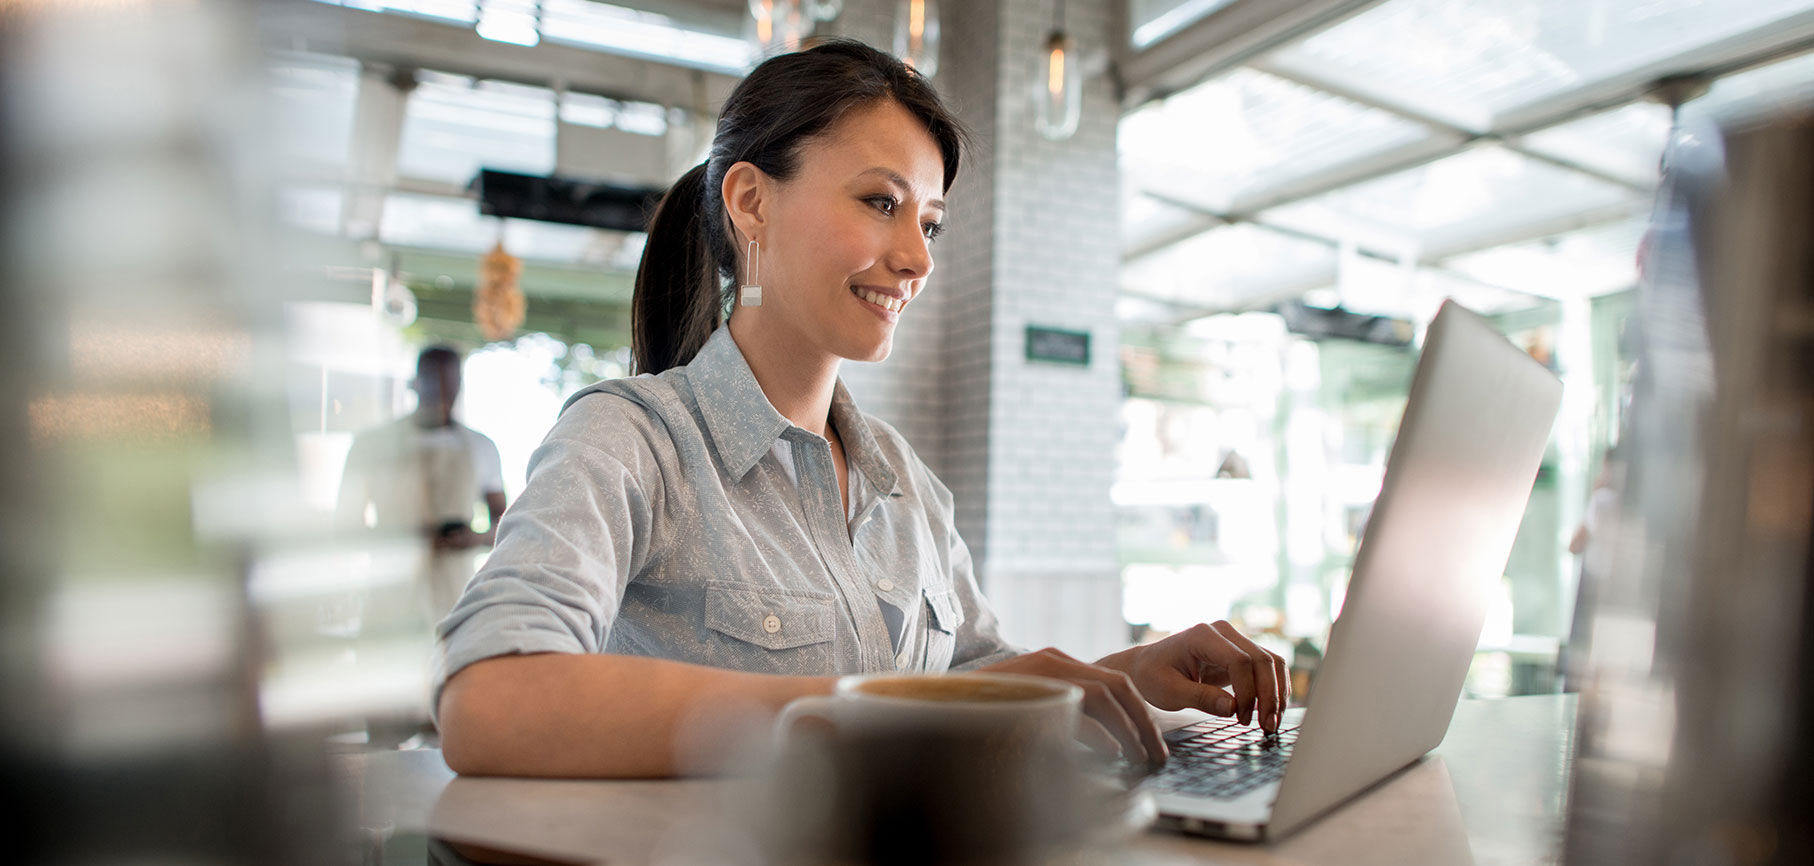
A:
(1340, 90)
(1749, 50)
(404, 42)
(1432, 259)
(1371, 167)
(1787, 37)
(1222, 40)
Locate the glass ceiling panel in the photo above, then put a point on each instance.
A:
(1227, 267)
(312, 97)
(1152, 20)
(1144, 217)
(687, 37)
(1583, 263)
(642, 33)
(462, 11)
(1468, 61)
(1782, 83)
(1447, 204)
(1627, 142)
(453, 126)
(1245, 131)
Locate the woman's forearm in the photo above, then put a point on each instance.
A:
(602, 716)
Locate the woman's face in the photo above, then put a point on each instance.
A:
(846, 243)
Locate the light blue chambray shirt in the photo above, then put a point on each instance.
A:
(659, 520)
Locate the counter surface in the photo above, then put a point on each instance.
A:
(1492, 793)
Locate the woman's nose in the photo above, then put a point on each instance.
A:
(912, 255)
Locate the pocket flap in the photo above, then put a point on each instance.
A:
(947, 614)
(768, 617)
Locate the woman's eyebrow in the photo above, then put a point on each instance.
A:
(899, 181)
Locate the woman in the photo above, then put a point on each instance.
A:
(731, 531)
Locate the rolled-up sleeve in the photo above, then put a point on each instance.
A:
(565, 551)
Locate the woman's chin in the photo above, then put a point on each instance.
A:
(870, 351)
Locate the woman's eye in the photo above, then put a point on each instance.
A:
(933, 230)
(885, 203)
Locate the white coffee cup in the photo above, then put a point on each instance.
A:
(975, 768)
(1033, 707)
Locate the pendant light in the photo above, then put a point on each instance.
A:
(777, 26)
(916, 35)
(1058, 86)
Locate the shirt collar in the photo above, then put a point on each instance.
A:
(744, 424)
(860, 442)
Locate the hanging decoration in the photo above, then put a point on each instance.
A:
(916, 35)
(1058, 87)
(499, 307)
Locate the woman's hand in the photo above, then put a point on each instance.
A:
(1193, 668)
(1115, 716)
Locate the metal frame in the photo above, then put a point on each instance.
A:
(1239, 35)
(402, 42)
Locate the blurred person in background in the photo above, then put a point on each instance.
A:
(728, 530)
(425, 473)
(1592, 544)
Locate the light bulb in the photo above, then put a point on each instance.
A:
(777, 25)
(916, 35)
(1058, 94)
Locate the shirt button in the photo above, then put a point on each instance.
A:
(885, 585)
(772, 624)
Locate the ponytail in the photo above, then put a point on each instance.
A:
(678, 301)
(690, 261)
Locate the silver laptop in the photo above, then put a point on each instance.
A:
(1456, 485)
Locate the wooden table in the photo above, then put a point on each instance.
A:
(1491, 794)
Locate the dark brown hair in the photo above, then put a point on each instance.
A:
(684, 284)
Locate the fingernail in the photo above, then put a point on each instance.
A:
(1225, 705)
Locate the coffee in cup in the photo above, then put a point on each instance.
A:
(954, 769)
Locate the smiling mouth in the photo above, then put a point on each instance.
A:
(880, 300)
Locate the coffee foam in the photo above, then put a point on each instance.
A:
(957, 689)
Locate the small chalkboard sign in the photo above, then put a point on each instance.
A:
(1058, 346)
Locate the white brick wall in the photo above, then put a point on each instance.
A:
(1027, 449)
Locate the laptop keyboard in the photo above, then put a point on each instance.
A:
(1222, 759)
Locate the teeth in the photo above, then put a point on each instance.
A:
(880, 300)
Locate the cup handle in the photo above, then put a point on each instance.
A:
(822, 707)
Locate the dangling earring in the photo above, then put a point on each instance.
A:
(751, 290)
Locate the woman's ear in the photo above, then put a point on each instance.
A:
(748, 195)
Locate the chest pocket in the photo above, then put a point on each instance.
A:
(795, 626)
(944, 617)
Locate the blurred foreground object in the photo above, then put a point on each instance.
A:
(1696, 736)
(953, 769)
(142, 465)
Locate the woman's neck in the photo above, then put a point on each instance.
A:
(798, 383)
